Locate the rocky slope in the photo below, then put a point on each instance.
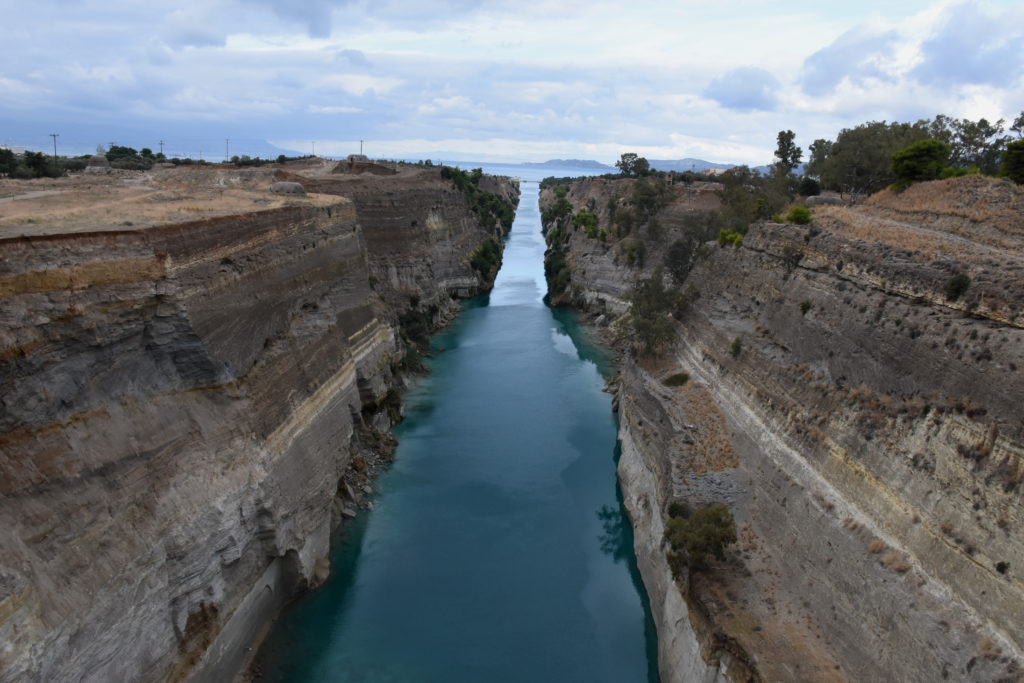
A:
(860, 420)
(181, 403)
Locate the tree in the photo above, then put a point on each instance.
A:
(1013, 161)
(820, 150)
(651, 303)
(632, 165)
(7, 161)
(923, 160)
(972, 143)
(1018, 125)
(787, 153)
(860, 160)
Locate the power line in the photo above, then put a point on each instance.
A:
(54, 136)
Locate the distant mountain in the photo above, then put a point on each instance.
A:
(699, 165)
(571, 163)
(688, 164)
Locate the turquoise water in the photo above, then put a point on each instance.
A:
(498, 549)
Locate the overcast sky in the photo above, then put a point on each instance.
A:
(498, 81)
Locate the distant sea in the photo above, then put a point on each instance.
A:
(527, 172)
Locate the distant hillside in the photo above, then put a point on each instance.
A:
(688, 164)
(571, 163)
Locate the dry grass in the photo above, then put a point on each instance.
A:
(713, 449)
(876, 547)
(131, 200)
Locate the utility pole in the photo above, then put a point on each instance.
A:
(54, 136)
(161, 146)
(360, 146)
(227, 154)
(314, 147)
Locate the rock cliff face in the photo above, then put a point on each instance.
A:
(861, 421)
(180, 404)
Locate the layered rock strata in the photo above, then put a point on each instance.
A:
(180, 404)
(863, 428)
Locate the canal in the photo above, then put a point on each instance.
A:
(498, 549)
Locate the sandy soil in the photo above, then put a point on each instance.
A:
(123, 200)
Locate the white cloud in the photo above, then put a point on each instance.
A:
(572, 78)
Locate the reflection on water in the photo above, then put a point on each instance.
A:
(483, 559)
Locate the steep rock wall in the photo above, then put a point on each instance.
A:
(864, 431)
(179, 408)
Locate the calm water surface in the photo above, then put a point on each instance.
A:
(498, 549)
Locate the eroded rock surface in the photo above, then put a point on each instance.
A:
(180, 404)
(862, 425)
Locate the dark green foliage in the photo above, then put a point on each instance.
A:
(737, 348)
(972, 143)
(486, 257)
(490, 209)
(554, 215)
(808, 187)
(649, 197)
(128, 158)
(587, 221)
(651, 304)
(8, 162)
(629, 164)
(788, 155)
(37, 164)
(860, 160)
(805, 306)
(956, 286)
(281, 159)
(707, 531)
(799, 215)
(920, 161)
(1013, 162)
(677, 380)
(679, 257)
(747, 196)
(729, 237)
(679, 508)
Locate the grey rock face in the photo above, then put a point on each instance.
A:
(288, 188)
(178, 406)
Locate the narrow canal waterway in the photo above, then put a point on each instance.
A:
(498, 549)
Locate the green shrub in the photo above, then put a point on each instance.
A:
(677, 380)
(1012, 166)
(729, 237)
(486, 256)
(799, 215)
(805, 306)
(777, 218)
(923, 160)
(737, 348)
(707, 531)
(587, 221)
(956, 286)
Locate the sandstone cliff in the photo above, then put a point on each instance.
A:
(861, 421)
(181, 401)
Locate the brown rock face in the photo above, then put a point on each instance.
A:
(178, 409)
(865, 431)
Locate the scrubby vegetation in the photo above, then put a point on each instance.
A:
(486, 257)
(692, 536)
(489, 208)
(799, 215)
